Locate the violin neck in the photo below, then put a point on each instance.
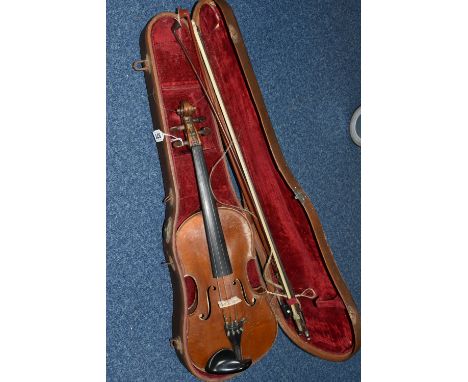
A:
(220, 263)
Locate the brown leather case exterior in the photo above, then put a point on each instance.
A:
(173, 196)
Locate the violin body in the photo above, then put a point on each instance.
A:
(205, 324)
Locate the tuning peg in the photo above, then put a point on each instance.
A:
(177, 128)
(204, 131)
(179, 143)
(199, 119)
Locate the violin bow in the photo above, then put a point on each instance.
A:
(291, 299)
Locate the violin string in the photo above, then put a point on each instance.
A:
(221, 158)
(223, 271)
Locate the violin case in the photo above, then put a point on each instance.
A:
(332, 318)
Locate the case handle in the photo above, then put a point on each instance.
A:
(140, 65)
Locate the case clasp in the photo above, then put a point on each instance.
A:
(299, 195)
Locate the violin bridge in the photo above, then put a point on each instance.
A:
(232, 301)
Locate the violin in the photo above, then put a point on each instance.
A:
(230, 325)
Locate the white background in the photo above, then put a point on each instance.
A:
(52, 158)
(414, 191)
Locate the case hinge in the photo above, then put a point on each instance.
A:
(299, 195)
(176, 343)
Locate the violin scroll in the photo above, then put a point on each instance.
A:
(186, 111)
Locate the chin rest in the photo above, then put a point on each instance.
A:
(225, 361)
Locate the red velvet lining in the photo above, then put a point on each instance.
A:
(330, 326)
(252, 274)
(327, 318)
(191, 287)
(179, 83)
